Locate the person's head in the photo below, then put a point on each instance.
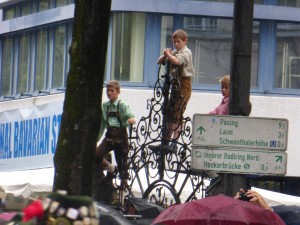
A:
(113, 90)
(225, 83)
(179, 38)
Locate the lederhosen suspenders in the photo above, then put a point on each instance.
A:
(114, 134)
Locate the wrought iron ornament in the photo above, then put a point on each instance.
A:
(163, 176)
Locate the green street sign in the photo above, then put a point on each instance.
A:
(240, 132)
(239, 161)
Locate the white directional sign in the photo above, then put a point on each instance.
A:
(251, 161)
(240, 132)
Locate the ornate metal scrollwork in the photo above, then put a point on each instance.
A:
(164, 177)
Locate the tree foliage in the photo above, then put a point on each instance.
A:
(75, 152)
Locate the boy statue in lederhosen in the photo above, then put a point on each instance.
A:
(115, 118)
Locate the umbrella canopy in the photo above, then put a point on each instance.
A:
(217, 210)
(145, 208)
(289, 213)
(7, 216)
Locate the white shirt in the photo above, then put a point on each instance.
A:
(186, 68)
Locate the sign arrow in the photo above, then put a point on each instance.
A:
(278, 158)
(201, 129)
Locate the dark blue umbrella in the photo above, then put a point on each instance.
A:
(290, 214)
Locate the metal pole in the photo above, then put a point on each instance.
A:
(240, 74)
(165, 120)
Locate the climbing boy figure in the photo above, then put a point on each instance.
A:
(182, 68)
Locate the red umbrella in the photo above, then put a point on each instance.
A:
(217, 210)
(7, 216)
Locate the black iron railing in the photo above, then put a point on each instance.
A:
(161, 176)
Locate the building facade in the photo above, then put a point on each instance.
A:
(34, 60)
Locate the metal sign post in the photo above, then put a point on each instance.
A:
(239, 145)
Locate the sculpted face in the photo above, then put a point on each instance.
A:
(179, 43)
(225, 90)
(112, 94)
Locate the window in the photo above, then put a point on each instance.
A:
(255, 54)
(25, 8)
(210, 42)
(166, 34)
(128, 41)
(41, 59)
(205, 24)
(289, 3)
(60, 3)
(232, 1)
(211, 48)
(59, 57)
(43, 5)
(7, 66)
(28, 65)
(23, 64)
(287, 68)
(9, 12)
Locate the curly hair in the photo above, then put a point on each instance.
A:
(225, 80)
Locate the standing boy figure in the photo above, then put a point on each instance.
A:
(182, 68)
(116, 117)
(221, 109)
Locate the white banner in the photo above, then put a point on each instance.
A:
(28, 136)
